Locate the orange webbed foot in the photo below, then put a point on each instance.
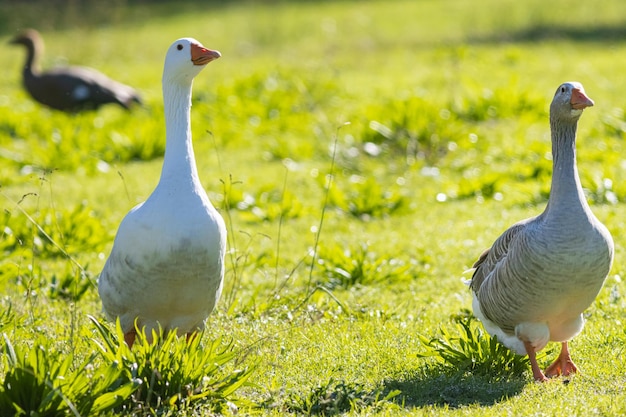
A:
(563, 365)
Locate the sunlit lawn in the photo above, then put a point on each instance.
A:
(385, 143)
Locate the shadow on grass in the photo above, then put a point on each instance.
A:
(435, 388)
(549, 32)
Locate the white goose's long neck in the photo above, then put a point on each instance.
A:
(179, 164)
(566, 191)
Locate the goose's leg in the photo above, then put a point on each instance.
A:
(129, 337)
(537, 374)
(191, 336)
(563, 365)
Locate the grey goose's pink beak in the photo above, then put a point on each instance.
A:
(579, 100)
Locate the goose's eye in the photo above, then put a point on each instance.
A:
(562, 88)
(179, 47)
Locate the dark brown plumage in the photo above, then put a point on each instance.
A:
(70, 89)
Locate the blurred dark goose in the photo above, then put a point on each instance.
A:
(70, 89)
(534, 283)
(167, 263)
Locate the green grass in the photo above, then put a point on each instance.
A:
(396, 139)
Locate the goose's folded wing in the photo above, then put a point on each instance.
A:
(492, 256)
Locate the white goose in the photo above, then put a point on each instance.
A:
(167, 262)
(533, 284)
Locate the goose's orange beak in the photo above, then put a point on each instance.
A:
(579, 100)
(201, 55)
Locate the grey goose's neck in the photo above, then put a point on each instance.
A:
(566, 193)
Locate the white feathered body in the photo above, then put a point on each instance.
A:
(167, 262)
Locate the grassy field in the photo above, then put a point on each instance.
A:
(363, 155)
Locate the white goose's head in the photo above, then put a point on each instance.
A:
(185, 58)
(569, 101)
